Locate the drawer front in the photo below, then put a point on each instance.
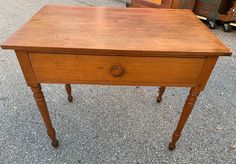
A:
(119, 70)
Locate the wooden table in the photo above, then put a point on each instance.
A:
(116, 46)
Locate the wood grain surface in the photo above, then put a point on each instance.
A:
(112, 30)
(88, 69)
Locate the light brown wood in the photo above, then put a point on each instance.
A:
(151, 71)
(188, 107)
(116, 47)
(192, 98)
(205, 73)
(39, 98)
(26, 67)
(132, 31)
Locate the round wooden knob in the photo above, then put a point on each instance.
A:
(117, 71)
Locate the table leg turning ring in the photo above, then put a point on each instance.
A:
(42, 106)
(188, 106)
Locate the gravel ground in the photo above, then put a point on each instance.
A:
(112, 124)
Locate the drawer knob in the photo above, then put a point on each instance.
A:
(117, 71)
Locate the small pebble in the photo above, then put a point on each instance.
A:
(233, 146)
(219, 128)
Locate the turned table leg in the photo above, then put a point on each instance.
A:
(39, 98)
(189, 104)
(161, 92)
(68, 90)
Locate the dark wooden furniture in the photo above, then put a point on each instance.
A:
(214, 10)
(230, 16)
(150, 3)
(115, 46)
(176, 4)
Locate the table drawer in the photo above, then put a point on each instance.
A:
(120, 70)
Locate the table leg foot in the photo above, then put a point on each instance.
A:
(70, 98)
(52, 136)
(68, 90)
(175, 138)
(161, 92)
(55, 143)
(172, 146)
(159, 99)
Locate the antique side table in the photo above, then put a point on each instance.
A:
(116, 46)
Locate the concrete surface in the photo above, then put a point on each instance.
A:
(112, 124)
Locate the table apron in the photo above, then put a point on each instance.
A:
(115, 70)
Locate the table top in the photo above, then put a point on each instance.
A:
(128, 31)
